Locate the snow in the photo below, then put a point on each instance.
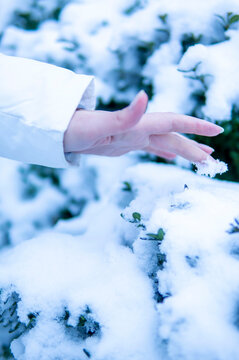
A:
(211, 167)
(196, 285)
(69, 272)
(106, 267)
(197, 320)
(170, 299)
(222, 90)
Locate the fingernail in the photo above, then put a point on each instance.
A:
(221, 129)
(212, 158)
(210, 148)
(136, 98)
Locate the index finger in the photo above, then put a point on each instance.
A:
(160, 123)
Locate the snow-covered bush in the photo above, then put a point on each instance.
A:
(125, 259)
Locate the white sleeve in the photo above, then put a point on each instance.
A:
(37, 101)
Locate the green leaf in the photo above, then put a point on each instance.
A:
(221, 18)
(82, 321)
(136, 216)
(233, 19)
(159, 236)
(127, 186)
(14, 328)
(141, 226)
(163, 18)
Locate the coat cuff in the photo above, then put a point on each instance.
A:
(78, 93)
(87, 102)
(37, 102)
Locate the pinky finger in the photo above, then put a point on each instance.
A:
(208, 149)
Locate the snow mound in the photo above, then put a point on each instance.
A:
(55, 272)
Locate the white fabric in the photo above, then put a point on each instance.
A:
(37, 101)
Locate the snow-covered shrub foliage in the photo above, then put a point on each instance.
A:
(125, 259)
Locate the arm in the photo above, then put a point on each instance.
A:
(37, 102)
(37, 113)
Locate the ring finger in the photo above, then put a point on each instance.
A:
(180, 145)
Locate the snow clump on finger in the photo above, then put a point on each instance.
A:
(211, 167)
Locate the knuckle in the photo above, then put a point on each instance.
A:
(172, 123)
(104, 141)
(108, 140)
(200, 127)
(122, 119)
(119, 118)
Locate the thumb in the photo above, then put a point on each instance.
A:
(129, 116)
(105, 123)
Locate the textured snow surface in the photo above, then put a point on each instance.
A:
(56, 271)
(211, 167)
(110, 268)
(221, 74)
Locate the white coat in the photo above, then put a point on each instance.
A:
(37, 101)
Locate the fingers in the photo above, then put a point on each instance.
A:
(179, 145)
(167, 146)
(171, 156)
(159, 123)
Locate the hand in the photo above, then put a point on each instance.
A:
(119, 132)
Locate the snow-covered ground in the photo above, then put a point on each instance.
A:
(159, 299)
(124, 258)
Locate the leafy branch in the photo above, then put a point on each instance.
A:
(234, 227)
(136, 219)
(86, 326)
(228, 20)
(195, 75)
(9, 317)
